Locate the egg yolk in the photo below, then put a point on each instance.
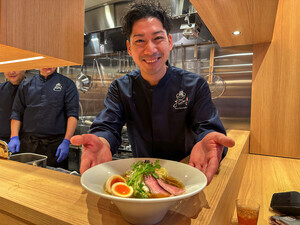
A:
(116, 180)
(122, 189)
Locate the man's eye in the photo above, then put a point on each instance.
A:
(139, 41)
(158, 38)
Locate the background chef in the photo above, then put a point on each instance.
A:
(8, 92)
(45, 114)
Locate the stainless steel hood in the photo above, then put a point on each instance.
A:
(103, 15)
(103, 33)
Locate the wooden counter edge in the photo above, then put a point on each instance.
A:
(226, 205)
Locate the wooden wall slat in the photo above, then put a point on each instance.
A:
(275, 107)
(51, 28)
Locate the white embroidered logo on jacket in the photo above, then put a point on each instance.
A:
(181, 100)
(57, 87)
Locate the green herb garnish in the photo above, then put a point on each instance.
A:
(136, 178)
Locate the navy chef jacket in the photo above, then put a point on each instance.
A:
(164, 121)
(44, 105)
(7, 92)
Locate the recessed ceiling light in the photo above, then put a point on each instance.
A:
(237, 32)
(22, 60)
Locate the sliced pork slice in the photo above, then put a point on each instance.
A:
(170, 188)
(156, 190)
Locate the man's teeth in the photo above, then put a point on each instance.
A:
(151, 61)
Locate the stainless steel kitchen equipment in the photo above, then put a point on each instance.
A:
(83, 82)
(100, 71)
(216, 83)
(30, 158)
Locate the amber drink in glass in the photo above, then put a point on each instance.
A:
(247, 211)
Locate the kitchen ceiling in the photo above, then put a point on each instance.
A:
(91, 4)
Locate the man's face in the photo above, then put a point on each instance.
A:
(15, 77)
(150, 46)
(47, 71)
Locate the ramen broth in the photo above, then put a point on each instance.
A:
(173, 181)
(169, 180)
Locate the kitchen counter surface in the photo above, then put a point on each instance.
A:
(264, 176)
(34, 195)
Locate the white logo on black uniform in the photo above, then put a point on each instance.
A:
(57, 87)
(181, 100)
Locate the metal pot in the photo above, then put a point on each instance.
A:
(30, 158)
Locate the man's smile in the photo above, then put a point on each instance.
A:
(150, 61)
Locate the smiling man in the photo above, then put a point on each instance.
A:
(8, 92)
(168, 111)
(44, 116)
(150, 47)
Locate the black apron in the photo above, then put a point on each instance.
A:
(6, 139)
(43, 146)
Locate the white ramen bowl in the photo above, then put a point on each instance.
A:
(143, 211)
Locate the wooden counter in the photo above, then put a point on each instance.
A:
(265, 175)
(33, 195)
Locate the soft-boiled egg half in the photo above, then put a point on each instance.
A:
(112, 180)
(121, 189)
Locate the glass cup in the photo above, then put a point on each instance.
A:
(247, 211)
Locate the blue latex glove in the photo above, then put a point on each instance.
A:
(14, 144)
(63, 150)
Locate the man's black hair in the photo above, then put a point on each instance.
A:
(144, 9)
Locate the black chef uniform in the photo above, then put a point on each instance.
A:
(164, 121)
(44, 106)
(7, 92)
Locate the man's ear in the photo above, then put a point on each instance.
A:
(128, 47)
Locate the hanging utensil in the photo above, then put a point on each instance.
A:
(128, 67)
(175, 55)
(112, 75)
(100, 73)
(195, 49)
(93, 74)
(83, 82)
(124, 63)
(182, 57)
(119, 54)
(216, 83)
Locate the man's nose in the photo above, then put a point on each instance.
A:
(150, 48)
(11, 73)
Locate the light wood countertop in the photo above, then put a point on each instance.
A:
(266, 175)
(33, 195)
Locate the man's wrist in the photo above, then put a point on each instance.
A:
(66, 141)
(105, 142)
(14, 137)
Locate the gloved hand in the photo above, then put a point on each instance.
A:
(63, 150)
(14, 144)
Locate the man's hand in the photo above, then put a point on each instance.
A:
(14, 144)
(62, 150)
(207, 153)
(94, 151)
